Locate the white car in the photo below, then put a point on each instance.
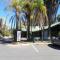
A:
(1, 37)
(7, 38)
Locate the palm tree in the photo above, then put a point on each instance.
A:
(40, 13)
(16, 5)
(31, 5)
(28, 14)
(52, 6)
(13, 22)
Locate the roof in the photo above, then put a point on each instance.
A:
(37, 28)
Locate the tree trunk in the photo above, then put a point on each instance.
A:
(17, 19)
(49, 27)
(15, 31)
(28, 28)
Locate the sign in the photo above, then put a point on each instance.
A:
(18, 35)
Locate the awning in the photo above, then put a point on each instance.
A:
(37, 28)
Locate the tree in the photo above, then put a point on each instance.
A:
(40, 13)
(16, 5)
(31, 5)
(52, 7)
(28, 14)
(5, 31)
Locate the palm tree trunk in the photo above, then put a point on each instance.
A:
(17, 19)
(42, 25)
(42, 33)
(15, 31)
(49, 28)
(28, 28)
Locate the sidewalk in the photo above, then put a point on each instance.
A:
(19, 44)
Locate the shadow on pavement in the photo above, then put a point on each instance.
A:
(57, 47)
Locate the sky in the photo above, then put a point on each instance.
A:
(6, 14)
(58, 12)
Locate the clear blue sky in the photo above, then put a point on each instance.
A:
(7, 14)
(58, 12)
(4, 12)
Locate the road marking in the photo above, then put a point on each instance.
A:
(36, 50)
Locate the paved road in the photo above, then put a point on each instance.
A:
(29, 52)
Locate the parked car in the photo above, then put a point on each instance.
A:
(56, 40)
(1, 37)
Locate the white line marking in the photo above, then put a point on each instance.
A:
(36, 50)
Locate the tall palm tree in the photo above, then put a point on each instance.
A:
(31, 5)
(51, 9)
(40, 13)
(16, 5)
(28, 14)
